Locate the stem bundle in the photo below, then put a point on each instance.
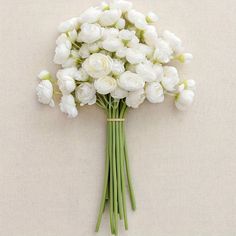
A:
(117, 170)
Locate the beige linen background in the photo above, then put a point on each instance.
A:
(183, 164)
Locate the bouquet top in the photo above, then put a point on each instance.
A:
(114, 51)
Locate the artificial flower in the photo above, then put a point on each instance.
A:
(85, 93)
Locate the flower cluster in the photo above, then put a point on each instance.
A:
(114, 50)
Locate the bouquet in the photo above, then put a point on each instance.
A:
(113, 56)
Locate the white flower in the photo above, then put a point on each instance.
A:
(45, 92)
(137, 18)
(86, 94)
(84, 51)
(159, 72)
(154, 92)
(187, 84)
(119, 93)
(185, 58)
(105, 85)
(134, 99)
(89, 33)
(62, 53)
(68, 25)
(98, 65)
(117, 67)
(163, 51)
(70, 62)
(120, 24)
(134, 56)
(184, 100)
(112, 44)
(94, 47)
(126, 35)
(72, 35)
(146, 71)
(121, 52)
(110, 17)
(151, 17)
(68, 106)
(66, 84)
(170, 79)
(91, 15)
(174, 42)
(81, 75)
(63, 39)
(66, 72)
(122, 5)
(130, 81)
(44, 75)
(150, 36)
(145, 49)
(110, 33)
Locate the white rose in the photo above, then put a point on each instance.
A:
(91, 15)
(98, 65)
(146, 71)
(163, 52)
(105, 85)
(150, 36)
(112, 44)
(184, 100)
(89, 33)
(117, 67)
(134, 56)
(66, 84)
(122, 5)
(134, 99)
(137, 18)
(86, 94)
(68, 106)
(84, 51)
(110, 17)
(45, 92)
(130, 81)
(62, 53)
(68, 25)
(81, 75)
(170, 78)
(151, 17)
(119, 93)
(120, 24)
(154, 92)
(174, 42)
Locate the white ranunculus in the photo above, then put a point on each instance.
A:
(120, 24)
(91, 15)
(124, 6)
(63, 39)
(187, 84)
(66, 84)
(68, 25)
(84, 51)
(145, 49)
(44, 75)
(163, 52)
(86, 94)
(68, 106)
(126, 35)
(110, 33)
(184, 100)
(159, 71)
(146, 71)
(170, 78)
(81, 75)
(174, 42)
(119, 93)
(105, 85)
(134, 56)
(150, 36)
(112, 44)
(89, 33)
(98, 65)
(94, 47)
(62, 53)
(66, 72)
(110, 17)
(137, 18)
(133, 43)
(45, 92)
(130, 81)
(134, 99)
(154, 92)
(70, 62)
(121, 52)
(117, 67)
(151, 17)
(72, 35)
(185, 58)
